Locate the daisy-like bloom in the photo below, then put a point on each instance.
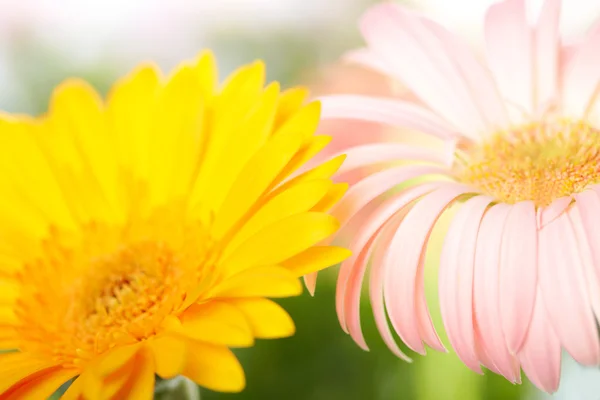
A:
(519, 167)
(142, 235)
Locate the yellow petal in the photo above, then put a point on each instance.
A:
(17, 366)
(207, 73)
(323, 171)
(269, 281)
(216, 322)
(335, 193)
(255, 178)
(240, 94)
(83, 178)
(214, 367)
(282, 240)
(130, 110)
(289, 103)
(9, 291)
(243, 82)
(253, 131)
(267, 318)
(20, 205)
(77, 117)
(140, 384)
(169, 355)
(304, 120)
(181, 112)
(297, 199)
(315, 259)
(311, 147)
(116, 359)
(8, 338)
(107, 376)
(39, 386)
(7, 316)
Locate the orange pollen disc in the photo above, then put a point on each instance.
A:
(539, 162)
(80, 301)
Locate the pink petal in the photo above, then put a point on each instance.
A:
(540, 355)
(310, 281)
(478, 78)
(421, 62)
(564, 291)
(393, 112)
(376, 283)
(366, 58)
(366, 190)
(484, 357)
(547, 46)
(404, 281)
(518, 273)
(369, 154)
(351, 273)
(582, 77)
(588, 251)
(486, 290)
(545, 215)
(456, 279)
(588, 204)
(509, 48)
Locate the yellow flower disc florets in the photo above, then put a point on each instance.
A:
(539, 162)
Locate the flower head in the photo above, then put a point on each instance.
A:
(142, 235)
(519, 276)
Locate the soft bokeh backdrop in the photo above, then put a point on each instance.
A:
(45, 41)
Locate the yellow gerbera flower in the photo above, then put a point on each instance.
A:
(142, 234)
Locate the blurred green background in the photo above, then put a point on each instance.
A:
(42, 42)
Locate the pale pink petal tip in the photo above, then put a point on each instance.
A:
(310, 281)
(486, 292)
(564, 291)
(404, 287)
(541, 353)
(456, 279)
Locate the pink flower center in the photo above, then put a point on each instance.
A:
(539, 162)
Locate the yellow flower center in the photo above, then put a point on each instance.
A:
(539, 162)
(127, 293)
(105, 289)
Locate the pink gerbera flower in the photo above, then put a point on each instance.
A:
(519, 275)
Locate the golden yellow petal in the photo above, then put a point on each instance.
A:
(335, 193)
(15, 367)
(169, 354)
(299, 198)
(264, 281)
(281, 240)
(323, 171)
(267, 318)
(252, 132)
(140, 384)
(289, 102)
(41, 385)
(216, 322)
(315, 259)
(214, 367)
(255, 179)
(78, 143)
